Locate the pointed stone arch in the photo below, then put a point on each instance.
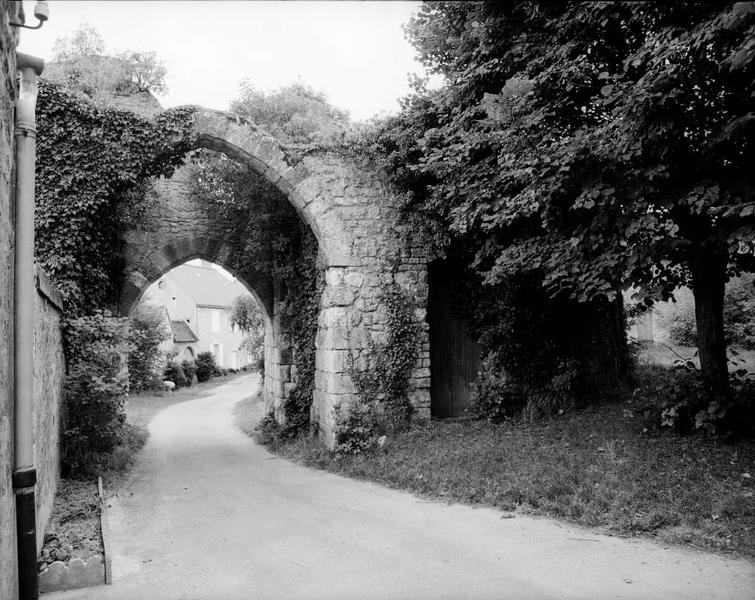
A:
(365, 244)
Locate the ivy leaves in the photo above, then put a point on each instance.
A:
(90, 160)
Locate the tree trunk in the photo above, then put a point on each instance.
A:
(708, 287)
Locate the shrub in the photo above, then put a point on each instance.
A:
(544, 355)
(496, 397)
(678, 399)
(359, 430)
(147, 331)
(190, 372)
(683, 328)
(739, 317)
(96, 388)
(205, 366)
(739, 313)
(174, 372)
(555, 352)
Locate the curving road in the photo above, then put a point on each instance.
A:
(210, 515)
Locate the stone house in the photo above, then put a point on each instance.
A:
(196, 299)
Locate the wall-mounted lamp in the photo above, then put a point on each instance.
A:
(41, 11)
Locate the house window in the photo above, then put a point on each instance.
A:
(217, 351)
(215, 315)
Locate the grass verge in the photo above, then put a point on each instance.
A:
(594, 467)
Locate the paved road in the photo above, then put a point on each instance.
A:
(209, 515)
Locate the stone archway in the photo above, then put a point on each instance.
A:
(364, 242)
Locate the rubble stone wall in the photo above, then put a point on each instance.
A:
(49, 378)
(365, 245)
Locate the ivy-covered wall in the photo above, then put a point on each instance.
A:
(364, 244)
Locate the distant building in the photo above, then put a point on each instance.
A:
(197, 301)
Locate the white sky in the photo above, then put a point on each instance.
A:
(354, 51)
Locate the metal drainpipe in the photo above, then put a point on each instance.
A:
(24, 473)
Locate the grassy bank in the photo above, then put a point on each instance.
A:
(594, 467)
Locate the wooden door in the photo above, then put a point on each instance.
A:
(454, 355)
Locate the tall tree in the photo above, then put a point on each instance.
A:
(81, 63)
(593, 143)
(294, 113)
(247, 316)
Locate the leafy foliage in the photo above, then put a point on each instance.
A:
(174, 371)
(190, 371)
(247, 316)
(677, 399)
(147, 331)
(304, 308)
(96, 388)
(739, 317)
(381, 378)
(589, 143)
(294, 114)
(81, 64)
(276, 244)
(91, 169)
(205, 366)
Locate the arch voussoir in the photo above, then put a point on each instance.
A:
(363, 243)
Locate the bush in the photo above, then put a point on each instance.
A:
(96, 389)
(205, 366)
(677, 399)
(496, 397)
(147, 331)
(499, 398)
(190, 372)
(683, 328)
(174, 372)
(544, 355)
(269, 432)
(739, 317)
(739, 313)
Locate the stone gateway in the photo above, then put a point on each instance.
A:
(365, 245)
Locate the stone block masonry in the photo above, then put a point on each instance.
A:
(365, 244)
(49, 378)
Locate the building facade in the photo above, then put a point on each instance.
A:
(197, 300)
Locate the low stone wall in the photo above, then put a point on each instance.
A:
(49, 377)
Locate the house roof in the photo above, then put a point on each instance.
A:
(206, 286)
(182, 332)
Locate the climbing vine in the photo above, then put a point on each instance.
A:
(93, 171)
(382, 379)
(277, 244)
(93, 164)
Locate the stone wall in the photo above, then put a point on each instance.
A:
(365, 245)
(49, 371)
(8, 40)
(49, 377)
